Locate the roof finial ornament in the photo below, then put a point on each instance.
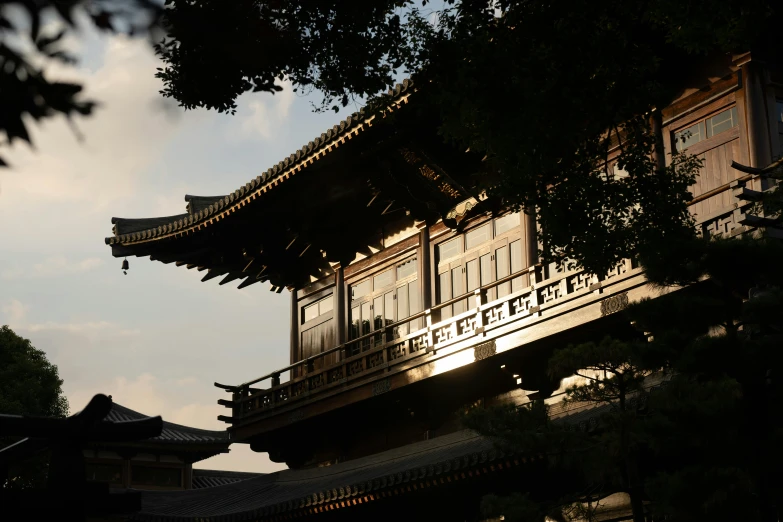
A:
(125, 266)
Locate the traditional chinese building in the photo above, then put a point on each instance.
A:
(164, 462)
(414, 297)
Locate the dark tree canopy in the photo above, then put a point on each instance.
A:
(543, 89)
(29, 383)
(688, 418)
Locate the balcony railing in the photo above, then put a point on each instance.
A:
(384, 350)
(318, 374)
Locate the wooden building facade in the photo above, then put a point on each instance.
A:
(413, 296)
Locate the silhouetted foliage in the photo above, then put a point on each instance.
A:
(688, 418)
(32, 35)
(545, 90)
(29, 385)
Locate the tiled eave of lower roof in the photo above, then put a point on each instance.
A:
(452, 458)
(199, 217)
(172, 434)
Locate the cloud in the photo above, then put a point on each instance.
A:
(269, 113)
(123, 140)
(15, 313)
(54, 267)
(186, 381)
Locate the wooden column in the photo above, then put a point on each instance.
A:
(425, 267)
(187, 476)
(294, 327)
(756, 114)
(339, 305)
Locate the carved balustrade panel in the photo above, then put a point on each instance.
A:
(298, 388)
(281, 395)
(580, 281)
(468, 325)
(724, 224)
(316, 381)
(375, 359)
(620, 269)
(444, 333)
(551, 292)
(334, 375)
(420, 342)
(521, 305)
(355, 367)
(496, 314)
(397, 351)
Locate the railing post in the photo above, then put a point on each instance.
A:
(428, 322)
(339, 307)
(477, 294)
(275, 379)
(236, 409)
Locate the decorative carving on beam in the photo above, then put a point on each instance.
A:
(381, 387)
(440, 180)
(614, 304)
(484, 350)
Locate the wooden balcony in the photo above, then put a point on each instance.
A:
(381, 361)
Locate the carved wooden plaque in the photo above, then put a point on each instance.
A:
(484, 350)
(381, 386)
(614, 304)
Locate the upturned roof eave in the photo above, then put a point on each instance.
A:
(198, 218)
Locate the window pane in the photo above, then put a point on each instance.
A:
(388, 307)
(414, 298)
(517, 263)
(360, 290)
(687, 137)
(477, 236)
(383, 280)
(149, 476)
(406, 269)
(473, 275)
(502, 270)
(486, 269)
(402, 302)
(457, 289)
(111, 473)
(310, 312)
(779, 111)
(377, 312)
(506, 223)
(444, 288)
(365, 318)
(449, 248)
(325, 305)
(356, 321)
(721, 122)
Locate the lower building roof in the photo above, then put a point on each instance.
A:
(172, 433)
(209, 478)
(308, 490)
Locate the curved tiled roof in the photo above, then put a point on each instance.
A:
(172, 433)
(203, 210)
(304, 489)
(210, 478)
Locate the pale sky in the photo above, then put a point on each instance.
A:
(157, 338)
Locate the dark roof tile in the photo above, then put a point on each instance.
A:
(172, 433)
